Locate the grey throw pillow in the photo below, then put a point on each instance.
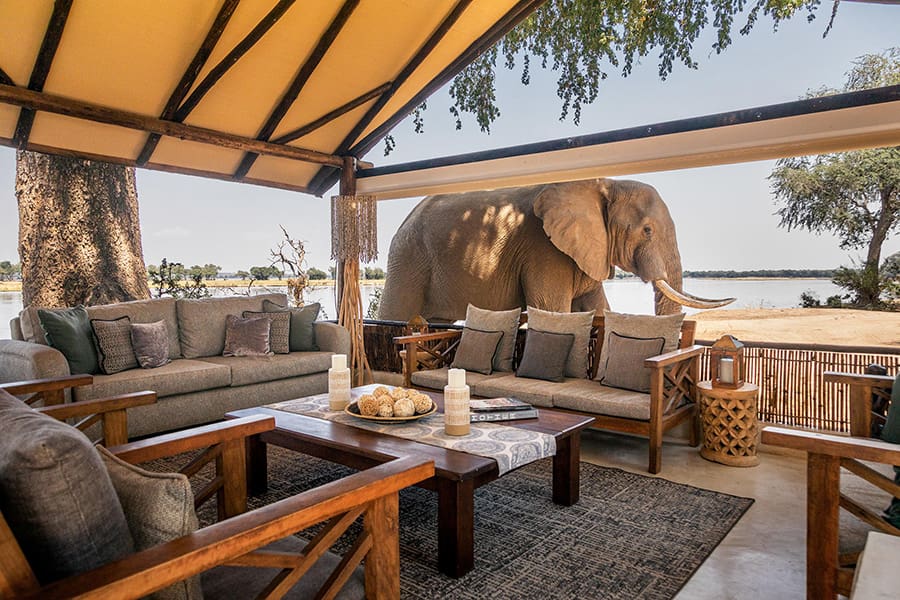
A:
(476, 350)
(114, 349)
(279, 329)
(159, 507)
(578, 324)
(303, 318)
(151, 344)
(247, 337)
(639, 326)
(625, 363)
(56, 496)
(69, 331)
(545, 355)
(504, 321)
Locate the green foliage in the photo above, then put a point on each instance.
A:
(834, 302)
(264, 273)
(374, 303)
(810, 299)
(373, 273)
(317, 274)
(242, 275)
(9, 270)
(583, 39)
(170, 279)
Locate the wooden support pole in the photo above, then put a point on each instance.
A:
(56, 104)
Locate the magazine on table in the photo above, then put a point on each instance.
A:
(503, 415)
(506, 404)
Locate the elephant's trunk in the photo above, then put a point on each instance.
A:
(664, 303)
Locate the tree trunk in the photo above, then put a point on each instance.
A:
(882, 226)
(79, 233)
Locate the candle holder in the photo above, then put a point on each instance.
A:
(456, 404)
(338, 383)
(726, 363)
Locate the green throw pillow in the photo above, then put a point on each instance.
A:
(69, 331)
(303, 318)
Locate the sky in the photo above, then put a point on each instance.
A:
(724, 216)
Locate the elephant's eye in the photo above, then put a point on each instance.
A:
(648, 230)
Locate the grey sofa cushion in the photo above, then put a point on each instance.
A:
(145, 311)
(476, 350)
(505, 321)
(114, 350)
(201, 322)
(69, 331)
(592, 397)
(545, 355)
(639, 326)
(246, 370)
(625, 361)
(30, 325)
(533, 391)
(279, 329)
(576, 323)
(303, 332)
(150, 343)
(436, 379)
(247, 337)
(159, 507)
(56, 496)
(180, 376)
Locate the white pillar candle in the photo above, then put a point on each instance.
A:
(456, 378)
(338, 383)
(339, 362)
(726, 370)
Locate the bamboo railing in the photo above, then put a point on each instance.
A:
(790, 379)
(789, 375)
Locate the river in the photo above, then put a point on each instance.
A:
(625, 295)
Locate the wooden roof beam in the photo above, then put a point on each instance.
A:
(299, 81)
(42, 65)
(331, 116)
(326, 177)
(64, 106)
(5, 79)
(191, 74)
(264, 25)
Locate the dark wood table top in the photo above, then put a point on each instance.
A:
(373, 448)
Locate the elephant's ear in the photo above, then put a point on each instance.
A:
(574, 220)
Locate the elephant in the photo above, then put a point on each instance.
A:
(547, 246)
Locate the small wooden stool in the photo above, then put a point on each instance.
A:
(729, 424)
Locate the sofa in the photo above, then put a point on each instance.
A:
(199, 385)
(669, 401)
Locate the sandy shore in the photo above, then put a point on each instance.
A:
(810, 325)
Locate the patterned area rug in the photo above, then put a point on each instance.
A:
(630, 536)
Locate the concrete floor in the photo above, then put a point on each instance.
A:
(764, 555)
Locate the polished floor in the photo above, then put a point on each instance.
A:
(764, 555)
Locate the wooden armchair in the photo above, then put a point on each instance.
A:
(239, 538)
(829, 573)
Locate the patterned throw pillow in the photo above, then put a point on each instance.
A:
(545, 355)
(280, 329)
(151, 344)
(114, 350)
(247, 337)
(303, 319)
(625, 363)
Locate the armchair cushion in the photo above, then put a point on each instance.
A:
(56, 495)
(302, 331)
(476, 350)
(625, 361)
(69, 331)
(505, 321)
(114, 350)
(578, 324)
(545, 355)
(891, 431)
(158, 507)
(639, 326)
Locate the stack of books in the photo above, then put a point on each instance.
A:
(500, 409)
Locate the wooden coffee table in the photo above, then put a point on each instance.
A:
(457, 474)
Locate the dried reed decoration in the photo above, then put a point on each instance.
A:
(354, 239)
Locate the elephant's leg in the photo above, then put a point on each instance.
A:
(594, 300)
(404, 291)
(548, 294)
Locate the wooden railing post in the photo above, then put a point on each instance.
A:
(822, 519)
(861, 410)
(382, 522)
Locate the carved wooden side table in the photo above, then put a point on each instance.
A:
(730, 430)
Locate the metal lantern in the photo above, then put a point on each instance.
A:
(726, 363)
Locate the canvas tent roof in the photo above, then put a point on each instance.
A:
(265, 91)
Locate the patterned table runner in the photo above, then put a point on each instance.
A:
(511, 447)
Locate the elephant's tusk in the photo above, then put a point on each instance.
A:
(686, 299)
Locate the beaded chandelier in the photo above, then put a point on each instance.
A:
(354, 233)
